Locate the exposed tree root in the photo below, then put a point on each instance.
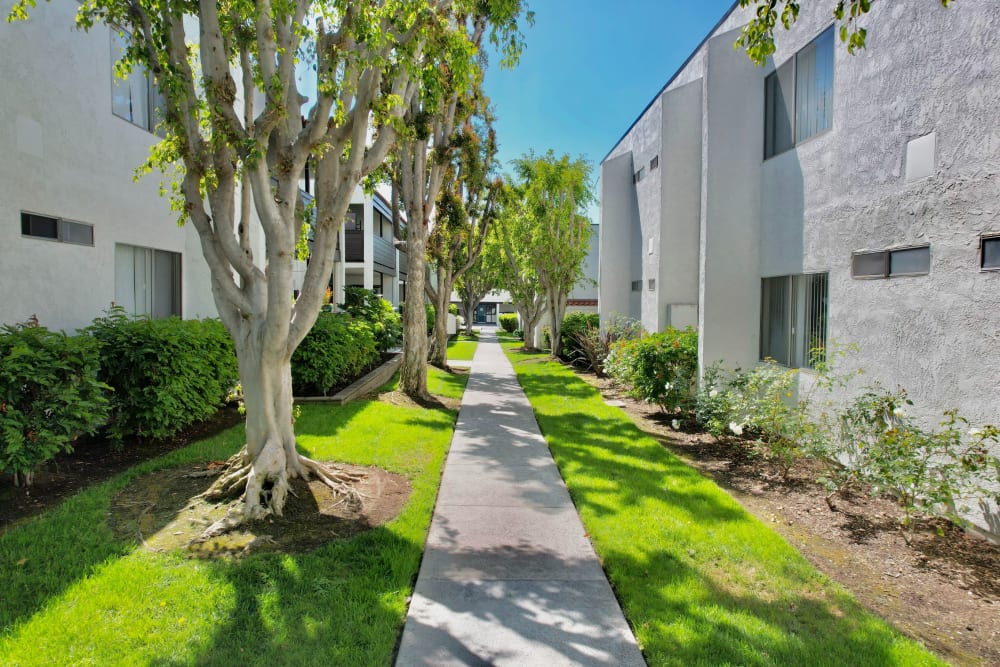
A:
(264, 493)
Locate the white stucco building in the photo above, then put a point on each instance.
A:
(77, 233)
(824, 198)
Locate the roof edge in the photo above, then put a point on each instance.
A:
(680, 69)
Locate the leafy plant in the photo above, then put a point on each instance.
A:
(335, 351)
(366, 305)
(508, 322)
(593, 344)
(573, 324)
(166, 374)
(658, 368)
(49, 395)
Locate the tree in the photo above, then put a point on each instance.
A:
(757, 37)
(426, 150)
(556, 190)
(480, 279)
(369, 62)
(516, 270)
(464, 211)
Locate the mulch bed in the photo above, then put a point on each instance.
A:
(943, 588)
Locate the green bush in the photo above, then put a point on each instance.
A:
(453, 309)
(338, 349)
(658, 368)
(573, 325)
(366, 305)
(594, 344)
(166, 374)
(508, 322)
(49, 395)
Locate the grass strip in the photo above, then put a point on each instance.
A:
(461, 349)
(74, 595)
(701, 581)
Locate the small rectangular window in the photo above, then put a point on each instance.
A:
(636, 285)
(654, 163)
(869, 265)
(910, 261)
(39, 226)
(641, 174)
(990, 253)
(78, 233)
(652, 284)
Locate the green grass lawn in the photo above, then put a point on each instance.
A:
(72, 594)
(701, 581)
(462, 349)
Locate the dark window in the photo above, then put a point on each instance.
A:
(798, 97)
(652, 284)
(654, 163)
(641, 174)
(56, 229)
(990, 252)
(869, 265)
(793, 317)
(910, 261)
(39, 226)
(636, 285)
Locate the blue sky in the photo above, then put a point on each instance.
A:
(588, 70)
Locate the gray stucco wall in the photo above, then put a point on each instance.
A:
(617, 220)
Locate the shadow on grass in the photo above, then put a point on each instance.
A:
(701, 581)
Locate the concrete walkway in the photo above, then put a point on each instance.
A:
(509, 576)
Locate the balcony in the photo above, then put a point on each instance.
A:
(383, 251)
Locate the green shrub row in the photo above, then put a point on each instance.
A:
(166, 374)
(366, 305)
(508, 322)
(335, 351)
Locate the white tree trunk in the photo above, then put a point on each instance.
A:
(557, 309)
(413, 371)
(439, 348)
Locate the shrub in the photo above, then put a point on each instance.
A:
(508, 322)
(166, 374)
(453, 309)
(658, 368)
(337, 350)
(572, 325)
(594, 344)
(366, 305)
(49, 395)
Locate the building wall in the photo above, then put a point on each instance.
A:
(64, 154)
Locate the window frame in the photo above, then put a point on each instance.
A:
(983, 239)
(152, 121)
(61, 224)
(887, 262)
(797, 294)
(793, 118)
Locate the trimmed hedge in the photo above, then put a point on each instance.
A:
(49, 395)
(166, 374)
(337, 350)
(508, 322)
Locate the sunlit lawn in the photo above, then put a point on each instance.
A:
(462, 349)
(700, 580)
(73, 594)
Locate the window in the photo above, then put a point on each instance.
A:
(798, 97)
(651, 284)
(891, 263)
(793, 314)
(654, 163)
(136, 98)
(355, 219)
(636, 285)
(989, 253)
(148, 281)
(639, 175)
(56, 229)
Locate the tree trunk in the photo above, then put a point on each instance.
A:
(557, 308)
(413, 371)
(439, 350)
(470, 306)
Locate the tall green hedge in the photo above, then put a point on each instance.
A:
(508, 322)
(49, 395)
(337, 350)
(166, 374)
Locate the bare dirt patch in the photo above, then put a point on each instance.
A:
(163, 512)
(943, 588)
(93, 461)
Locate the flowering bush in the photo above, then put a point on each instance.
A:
(658, 368)
(593, 344)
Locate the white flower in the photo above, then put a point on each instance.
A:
(736, 428)
(975, 432)
(713, 393)
(676, 424)
(668, 386)
(899, 413)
